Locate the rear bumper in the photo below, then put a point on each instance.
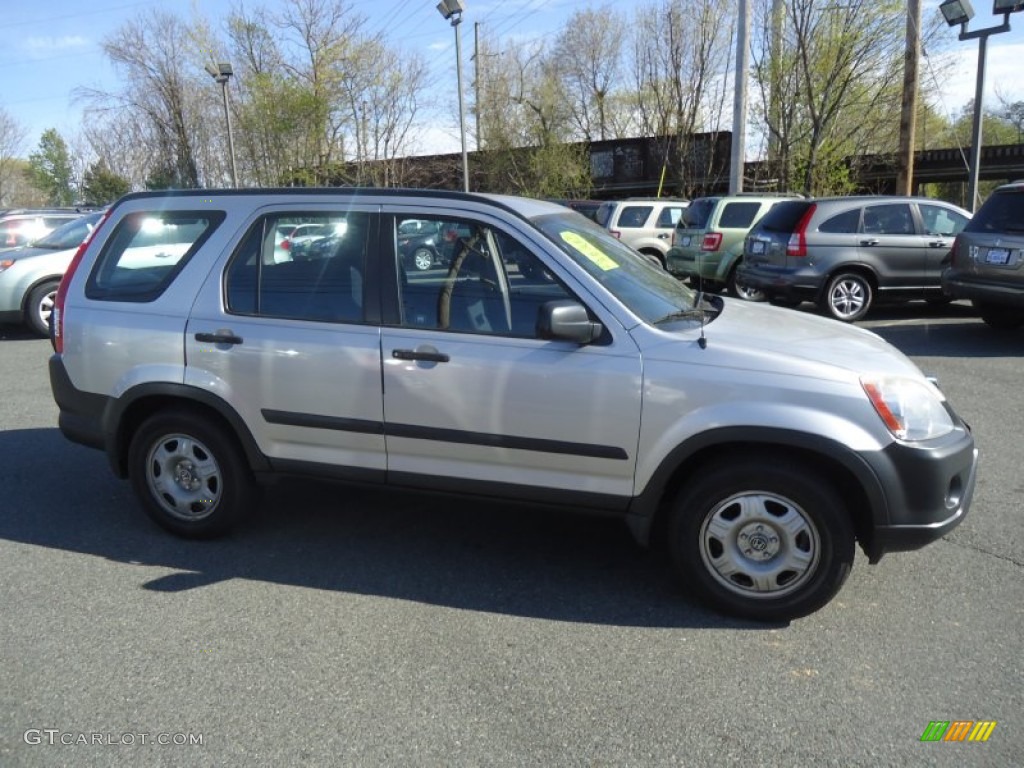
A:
(780, 283)
(959, 285)
(82, 414)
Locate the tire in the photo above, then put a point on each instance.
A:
(39, 306)
(189, 475)
(741, 291)
(656, 259)
(423, 259)
(800, 535)
(847, 297)
(1001, 318)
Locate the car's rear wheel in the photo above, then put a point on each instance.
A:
(743, 291)
(189, 474)
(40, 306)
(423, 259)
(760, 540)
(1001, 318)
(847, 297)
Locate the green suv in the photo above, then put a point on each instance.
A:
(708, 240)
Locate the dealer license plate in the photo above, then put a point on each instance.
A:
(998, 256)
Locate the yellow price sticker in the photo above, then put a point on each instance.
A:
(591, 251)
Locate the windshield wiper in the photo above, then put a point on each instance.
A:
(684, 314)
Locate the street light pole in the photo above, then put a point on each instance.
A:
(959, 13)
(452, 10)
(221, 73)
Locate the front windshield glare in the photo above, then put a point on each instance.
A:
(649, 291)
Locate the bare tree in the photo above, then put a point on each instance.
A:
(588, 57)
(679, 82)
(829, 78)
(154, 56)
(12, 139)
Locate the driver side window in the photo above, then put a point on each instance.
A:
(467, 277)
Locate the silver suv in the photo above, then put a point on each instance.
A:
(843, 252)
(644, 224)
(544, 362)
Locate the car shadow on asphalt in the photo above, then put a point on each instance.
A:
(467, 554)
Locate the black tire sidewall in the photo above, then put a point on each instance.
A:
(237, 493)
(820, 504)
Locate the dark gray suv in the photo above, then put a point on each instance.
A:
(987, 260)
(844, 252)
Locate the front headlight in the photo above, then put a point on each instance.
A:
(910, 408)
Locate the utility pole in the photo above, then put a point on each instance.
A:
(908, 107)
(739, 107)
(476, 80)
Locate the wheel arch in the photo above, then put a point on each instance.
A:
(36, 283)
(856, 267)
(853, 477)
(140, 402)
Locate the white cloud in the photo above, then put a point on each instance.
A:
(1002, 75)
(39, 47)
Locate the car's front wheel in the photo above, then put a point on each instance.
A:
(847, 297)
(765, 541)
(189, 474)
(39, 307)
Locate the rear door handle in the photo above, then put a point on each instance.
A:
(428, 355)
(938, 244)
(870, 241)
(219, 337)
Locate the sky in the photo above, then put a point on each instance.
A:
(53, 47)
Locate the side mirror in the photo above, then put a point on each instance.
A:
(567, 320)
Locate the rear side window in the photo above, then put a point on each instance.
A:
(669, 217)
(146, 251)
(845, 223)
(604, 213)
(738, 215)
(785, 216)
(313, 271)
(634, 216)
(696, 214)
(1002, 212)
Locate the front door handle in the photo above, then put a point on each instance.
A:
(427, 355)
(869, 241)
(219, 337)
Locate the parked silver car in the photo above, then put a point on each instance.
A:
(29, 276)
(545, 363)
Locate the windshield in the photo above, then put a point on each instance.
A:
(69, 235)
(649, 291)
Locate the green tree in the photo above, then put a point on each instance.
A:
(101, 185)
(50, 168)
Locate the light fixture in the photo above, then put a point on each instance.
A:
(449, 8)
(1007, 6)
(957, 12)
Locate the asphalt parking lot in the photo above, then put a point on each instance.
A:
(357, 627)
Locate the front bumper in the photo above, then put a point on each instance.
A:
(929, 489)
